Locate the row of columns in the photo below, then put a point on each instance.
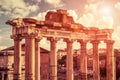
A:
(32, 59)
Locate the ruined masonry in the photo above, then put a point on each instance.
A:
(58, 25)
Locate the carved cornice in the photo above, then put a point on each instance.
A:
(57, 29)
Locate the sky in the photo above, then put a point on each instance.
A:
(90, 13)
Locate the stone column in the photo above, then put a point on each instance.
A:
(37, 59)
(83, 60)
(70, 73)
(17, 58)
(2, 74)
(29, 57)
(96, 67)
(111, 70)
(53, 59)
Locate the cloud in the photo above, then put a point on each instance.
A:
(3, 47)
(76, 45)
(84, 20)
(102, 23)
(93, 1)
(41, 15)
(45, 43)
(116, 36)
(94, 13)
(55, 3)
(36, 0)
(61, 44)
(117, 5)
(0, 38)
(106, 22)
(74, 14)
(16, 8)
(94, 5)
(91, 8)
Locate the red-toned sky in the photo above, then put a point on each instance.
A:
(96, 13)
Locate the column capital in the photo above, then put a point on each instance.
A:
(82, 41)
(38, 39)
(109, 41)
(95, 41)
(53, 39)
(30, 36)
(68, 40)
(16, 37)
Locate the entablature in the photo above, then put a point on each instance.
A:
(47, 28)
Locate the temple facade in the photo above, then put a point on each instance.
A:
(59, 25)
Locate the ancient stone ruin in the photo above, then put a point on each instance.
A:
(58, 25)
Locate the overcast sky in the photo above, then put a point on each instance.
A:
(97, 13)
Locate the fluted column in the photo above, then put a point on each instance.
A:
(96, 67)
(29, 57)
(37, 59)
(69, 60)
(53, 59)
(111, 70)
(83, 60)
(17, 58)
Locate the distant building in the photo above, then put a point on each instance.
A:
(102, 57)
(62, 52)
(7, 62)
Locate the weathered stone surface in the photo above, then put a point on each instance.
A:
(58, 24)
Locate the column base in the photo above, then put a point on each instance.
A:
(29, 77)
(83, 76)
(53, 77)
(37, 77)
(17, 77)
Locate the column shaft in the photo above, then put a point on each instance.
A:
(53, 59)
(17, 59)
(69, 69)
(111, 70)
(83, 60)
(29, 58)
(2, 76)
(37, 59)
(96, 67)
